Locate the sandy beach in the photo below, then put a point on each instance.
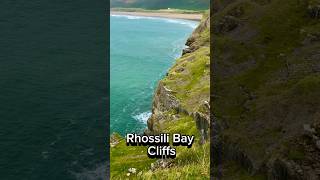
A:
(194, 17)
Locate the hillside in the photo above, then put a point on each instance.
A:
(162, 4)
(266, 90)
(180, 105)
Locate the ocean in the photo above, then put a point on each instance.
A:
(142, 51)
(53, 90)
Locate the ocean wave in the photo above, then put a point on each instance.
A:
(189, 23)
(143, 117)
(177, 47)
(133, 17)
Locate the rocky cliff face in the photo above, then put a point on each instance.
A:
(266, 87)
(184, 91)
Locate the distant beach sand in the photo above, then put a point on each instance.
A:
(194, 17)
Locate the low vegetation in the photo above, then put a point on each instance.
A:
(190, 162)
(266, 57)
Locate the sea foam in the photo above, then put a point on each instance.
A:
(189, 23)
(143, 117)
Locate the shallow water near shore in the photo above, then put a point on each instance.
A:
(142, 50)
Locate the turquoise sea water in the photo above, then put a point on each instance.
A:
(142, 50)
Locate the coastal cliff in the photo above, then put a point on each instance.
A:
(180, 105)
(184, 91)
(266, 89)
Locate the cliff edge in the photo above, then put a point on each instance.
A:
(184, 91)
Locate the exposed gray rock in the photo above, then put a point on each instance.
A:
(186, 51)
(226, 24)
(161, 164)
(308, 130)
(203, 123)
(164, 100)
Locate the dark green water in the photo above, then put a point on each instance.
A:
(53, 89)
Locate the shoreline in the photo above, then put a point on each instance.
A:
(192, 17)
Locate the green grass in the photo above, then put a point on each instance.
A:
(192, 85)
(308, 85)
(189, 163)
(295, 154)
(124, 157)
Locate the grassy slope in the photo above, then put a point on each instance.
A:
(189, 163)
(258, 97)
(190, 84)
(189, 78)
